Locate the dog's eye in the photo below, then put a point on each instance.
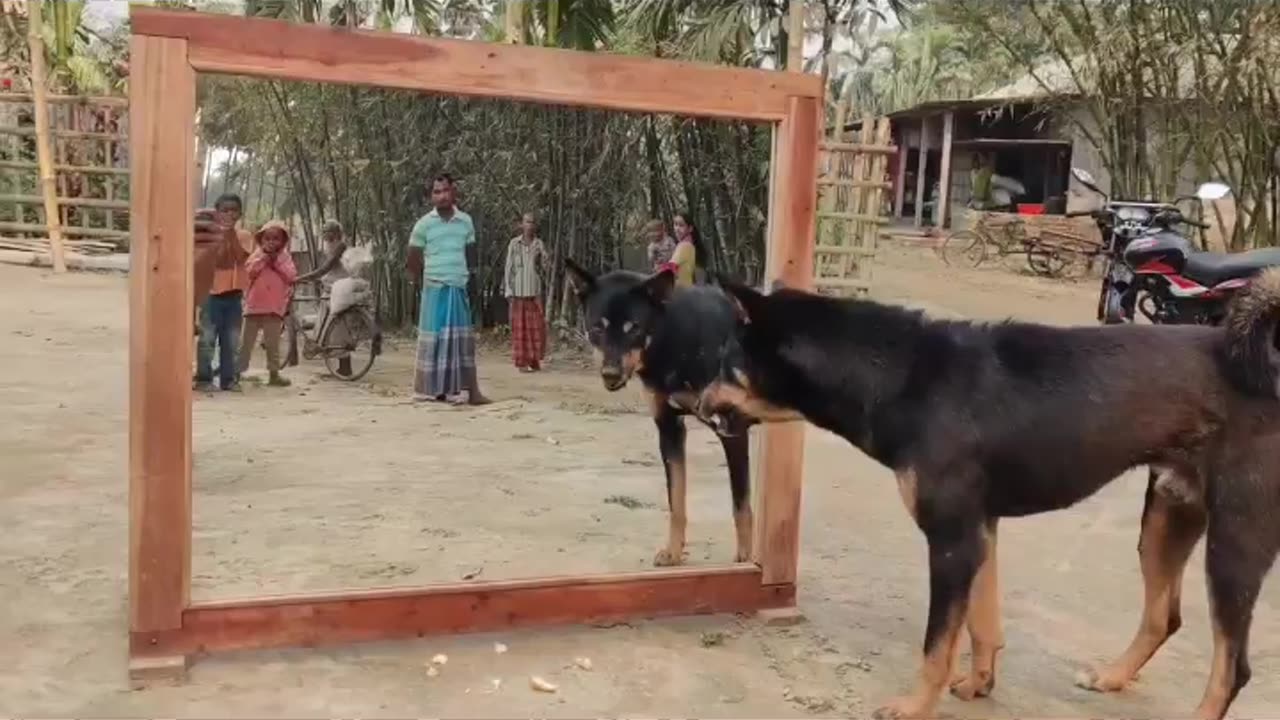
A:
(628, 326)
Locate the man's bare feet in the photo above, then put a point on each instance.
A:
(475, 397)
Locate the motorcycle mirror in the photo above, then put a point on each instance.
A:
(1213, 191)
(1083, 176)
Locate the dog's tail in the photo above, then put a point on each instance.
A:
(1252, 353)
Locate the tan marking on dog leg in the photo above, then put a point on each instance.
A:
(935, 673)
(719, 394)
(907, 489)
(1222, 676)
(985, 634)
(682, 400)
(657, 402)
(673, 553)
(743, 524)
(1169, 534)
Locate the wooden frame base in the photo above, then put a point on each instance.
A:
(168, 49)
(311, 620)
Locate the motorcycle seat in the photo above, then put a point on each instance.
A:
(1210, 268)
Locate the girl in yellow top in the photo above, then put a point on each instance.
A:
(688, 255)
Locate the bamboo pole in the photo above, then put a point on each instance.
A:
(795, 36)
(48, 176)
(514, 30)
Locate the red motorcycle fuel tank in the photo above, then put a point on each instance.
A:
(1162, 252)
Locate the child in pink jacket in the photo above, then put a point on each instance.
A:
(271, 275)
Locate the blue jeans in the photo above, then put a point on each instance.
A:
(220, 319)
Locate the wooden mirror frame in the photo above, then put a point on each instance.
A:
(168, 48)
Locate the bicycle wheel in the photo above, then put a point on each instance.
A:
(350, 344)
(964, 249)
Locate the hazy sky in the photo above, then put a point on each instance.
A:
(115, 11)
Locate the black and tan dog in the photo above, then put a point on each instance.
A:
(670, 338)
(981, 422)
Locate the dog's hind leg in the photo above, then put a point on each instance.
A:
(671, 436)
(986, 638)
(1242, 545)
(957, 549)
(1173, 519)
(737, 455)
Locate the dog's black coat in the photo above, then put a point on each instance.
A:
(983, 421)
(671, 338)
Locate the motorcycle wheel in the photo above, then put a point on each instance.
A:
(963, 249)
(1102, 294)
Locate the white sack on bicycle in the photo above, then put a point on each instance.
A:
(347, 292)
(354, 289)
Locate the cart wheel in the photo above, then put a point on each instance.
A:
(1046, 263)
(963, 249)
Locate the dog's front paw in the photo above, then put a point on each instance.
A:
(970, 686)
(742, 555)
(1101, 680)
(668, 557)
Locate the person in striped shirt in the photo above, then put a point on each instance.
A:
(522, 285)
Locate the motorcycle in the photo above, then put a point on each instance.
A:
(1153, 267)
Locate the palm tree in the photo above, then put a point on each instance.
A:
(78, 58)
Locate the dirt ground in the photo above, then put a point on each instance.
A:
(327, 485)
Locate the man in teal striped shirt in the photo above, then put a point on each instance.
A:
(445, 368)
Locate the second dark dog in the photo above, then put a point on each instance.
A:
(986, 421)
(643, 326)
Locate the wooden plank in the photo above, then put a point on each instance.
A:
(900, 194)
(72, 230)
(858, 147)
(162, 99)
(270, 48)
(781, 460)
(843, 250)
(69, 134)
(105, 100)
(853, 217)
(921, 167)
(72, 201)
(83, 169)
(944, 170)
(384, 614)
(823, 182)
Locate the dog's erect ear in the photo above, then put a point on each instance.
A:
(749, 302)
(659, 286)
(583, 282)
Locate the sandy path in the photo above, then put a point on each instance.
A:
(326, 485)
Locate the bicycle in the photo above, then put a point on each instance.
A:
(338, 338)
(972, 247)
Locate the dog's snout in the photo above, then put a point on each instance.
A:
(612, 376)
